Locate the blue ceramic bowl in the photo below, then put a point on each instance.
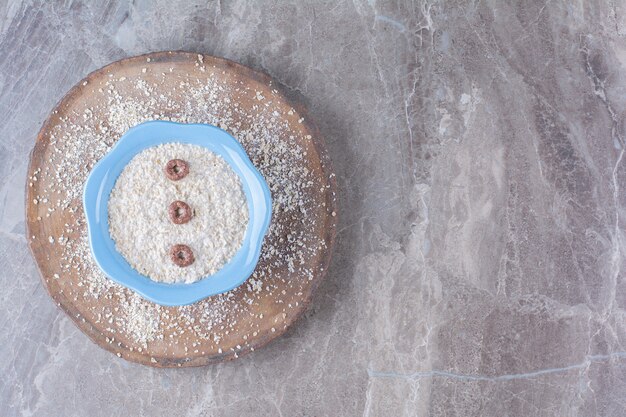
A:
(102, 179)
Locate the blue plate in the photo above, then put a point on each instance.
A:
(102, 179)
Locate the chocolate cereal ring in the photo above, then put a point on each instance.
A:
(182, 255)
(176, 169)
(180, 212)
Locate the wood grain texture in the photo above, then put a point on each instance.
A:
(267, 317)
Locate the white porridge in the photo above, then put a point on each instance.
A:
(145, 230)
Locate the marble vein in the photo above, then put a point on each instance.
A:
(589, 360)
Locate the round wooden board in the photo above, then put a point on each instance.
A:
(243, 101)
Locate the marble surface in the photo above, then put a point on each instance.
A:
(479, 148)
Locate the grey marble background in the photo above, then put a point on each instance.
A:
(479, 148)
